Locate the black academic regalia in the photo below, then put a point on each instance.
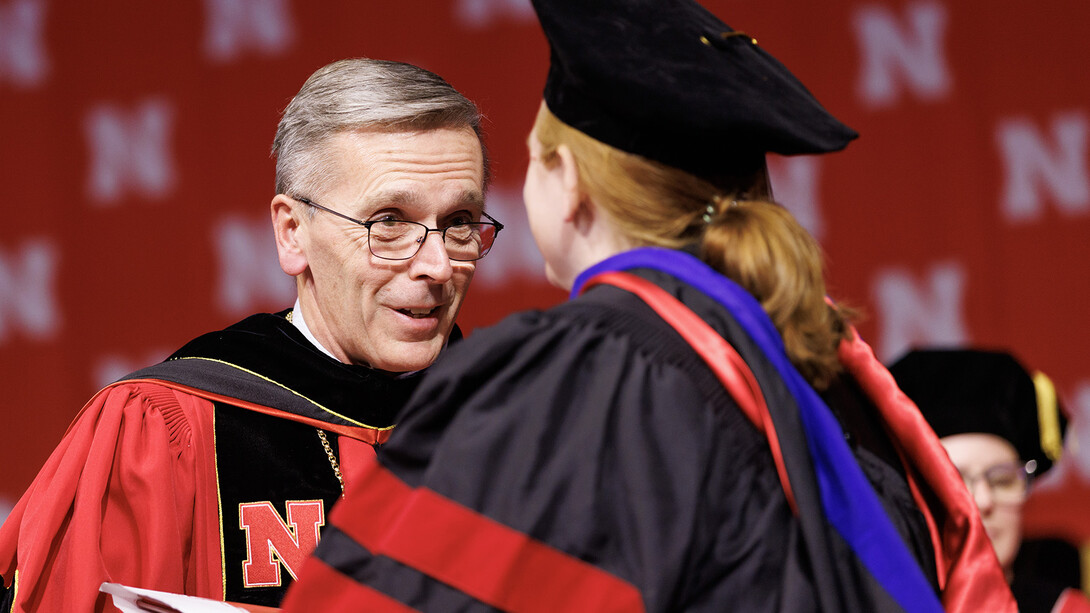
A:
(595, 429)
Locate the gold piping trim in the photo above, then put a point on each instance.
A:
(281, 385)
(1048, 416)
(14, 589)
(219, 505)
(1084, 555)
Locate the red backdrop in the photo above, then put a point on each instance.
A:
(134, 145)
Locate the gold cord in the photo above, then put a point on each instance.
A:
(332, 459)
(325, 445)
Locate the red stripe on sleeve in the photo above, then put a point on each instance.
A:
(325, 589)
(481, 557)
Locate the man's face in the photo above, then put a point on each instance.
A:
(394, 315)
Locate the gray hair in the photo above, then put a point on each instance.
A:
(356, 94)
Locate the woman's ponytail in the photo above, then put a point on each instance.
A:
(762, 247)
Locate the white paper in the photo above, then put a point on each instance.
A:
(137, 600)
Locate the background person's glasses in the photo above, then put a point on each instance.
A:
(401, 240)
(1008, 482)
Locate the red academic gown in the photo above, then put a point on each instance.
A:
(1072, 601)
(132, 492)
(128, 496)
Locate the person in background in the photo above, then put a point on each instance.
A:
(984, 407)
(185, 476)
(661, 441)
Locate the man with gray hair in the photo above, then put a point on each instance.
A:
(212, 473)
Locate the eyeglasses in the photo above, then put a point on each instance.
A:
(401, 240)
(1008, 482)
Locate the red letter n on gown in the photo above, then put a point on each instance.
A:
(270, 542)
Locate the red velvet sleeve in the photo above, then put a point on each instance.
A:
(1072, 601)
(969, 573)
(116, 501)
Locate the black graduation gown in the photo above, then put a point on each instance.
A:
(594, 428)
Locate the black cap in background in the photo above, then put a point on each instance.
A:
(960, 391)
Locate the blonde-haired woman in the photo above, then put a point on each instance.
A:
(697, 429)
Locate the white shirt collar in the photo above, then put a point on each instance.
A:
(301, 325)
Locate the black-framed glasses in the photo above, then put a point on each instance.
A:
(401, 240)
(1008, 482)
